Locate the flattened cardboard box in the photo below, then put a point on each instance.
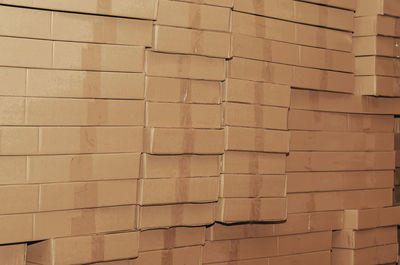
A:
(186, 255)
(376, 25)
(367, 256)
(13, 254)
(377, 7)
(376, 45)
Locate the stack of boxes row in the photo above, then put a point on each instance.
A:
(396, 192)
(72, 118)
(377, 47)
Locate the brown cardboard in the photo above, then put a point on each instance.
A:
(326, 221)
(376, 25)
(375, 7)
(178, 190)
(100, 29)
(243, 91)
(183, 141)
(374, 255)
(184, 66)
(165, 89)
(84, 84)
(19, 199)
(364, 238)
(252, 186)
(83, 222)
(377, 86)
(178, 256)
(90, 139)
(13, 170)
(19, 228)
(126, 8)
(253, 163)
(331, 121)
(330, 181)
(260, 140)
(101, 57)
(193, 15)
(50, 111)
(340, 141)
(169, 166)
(232, 210)
(65, 196)
(362, 219)
(376, 45)
(16, 80)
(371, 65)
(178, 115)
(254, 70)
(171, 238)
(218, 231)
(339, 161)
(84, 249)
(190, 41)
(19, 140)
(236, 114)
(12, 110)
(13, 254)
(65, 168)
(313, 258)
(316, 79)
(176, 215)
(310, 242)
(346, 4)
(226, 3)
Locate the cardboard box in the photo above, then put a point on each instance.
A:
(247, 115)
(12, 110)
(186, 115)
(183, 141)
(51, 111)
(352, 239)
(326, 221)
(169, 166)
(371, 218)
(84, 84)
(78, 140)
(253, 163)
(252, 186)
(65, 196)
(165, 89)
(84, 249)
(178, 190)
(331, 181)
(372, 65)
(333, 121)
(16, 81)
(126, 8)
(243, 91)
(65, 168)
(19, 228)
(191, 41)
(100, 57)
(254, 70)
(13, 254)
(236, 210)
(310, 242)
(259, 140)
(101, 29)
(376, 25)
(339, 161)
(176, 215)
(376, 45)
(176, 237)
(313, 258)
(193, 15)
(316, 79)
(367, 256)
(19, 140)
(19, 199)
(377, 7)
(184, 66)
(178, 256)
(219, 232)
(83, 222)
(14, 170)
(340, 141)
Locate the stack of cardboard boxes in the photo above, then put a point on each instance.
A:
(218, 132)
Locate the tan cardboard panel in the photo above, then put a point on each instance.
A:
(84, 84)
(176, 215)
(377, 86)
(369, 256)
(19, 228)
(14, 81)
(184, 66)
(243, 91)
(331, 181)
(218, 231)
(159, 239)
(100, 57)
(19, 199)
(253, 163)
(305, 120)
(234, 210)
(326, 221)
(346, 4)
(313, 258)
(178, 190)
(177, 115)
(13, 170)
(13, 254)
(179, 256)
(83, 249)
(376, 45)
(181, 166)
(226, 3)
(19, 140)
(126, 8)
(191, 41)
(377, 7)
(183, 141)
(373, 65)
(193, 15)
(259, 140)
(165, 89)
(310, 242)
(83, 140)
(376, 25)
(70, 168)
(83, 222)
(339, 161)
